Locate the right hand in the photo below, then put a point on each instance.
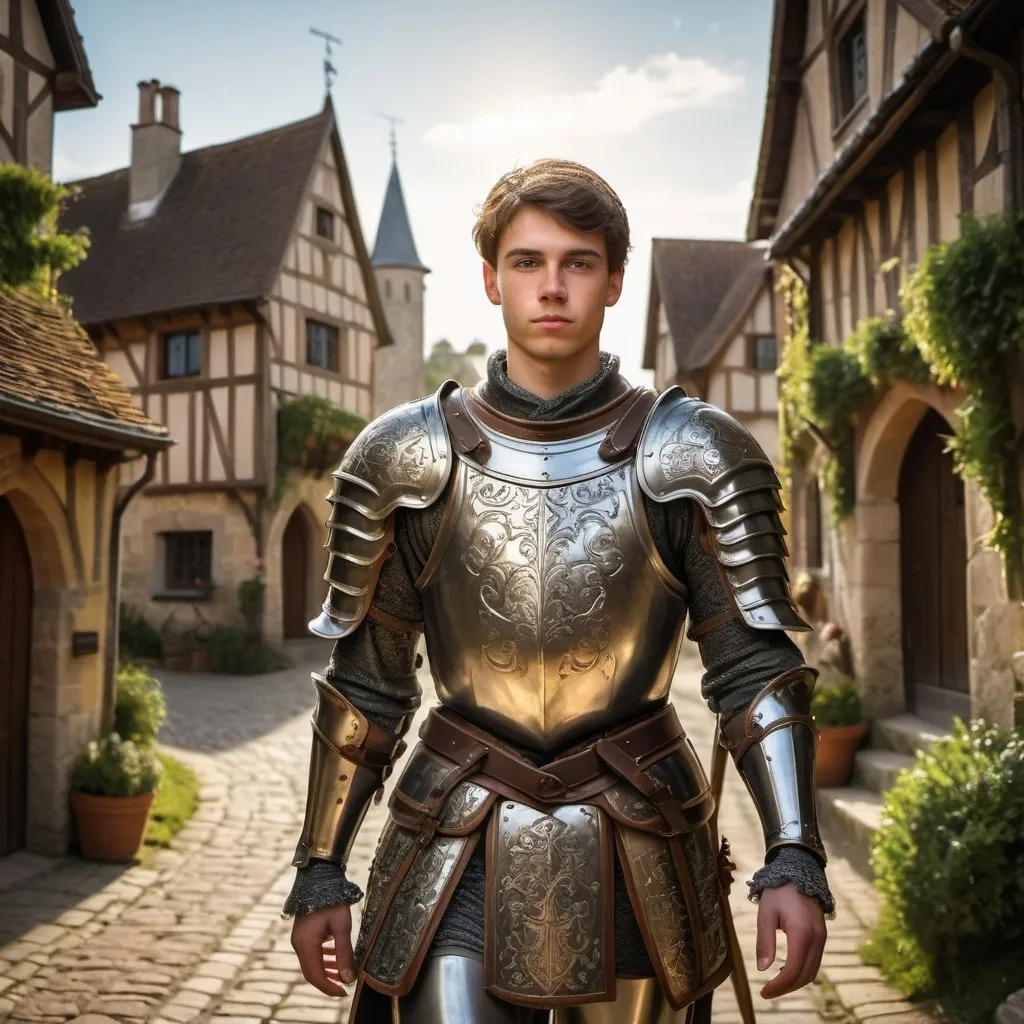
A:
(322, 966)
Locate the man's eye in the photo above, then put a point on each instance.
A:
(523, 263)
(580, 264)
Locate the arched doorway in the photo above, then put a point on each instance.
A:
(295, 576)
(933, 568)
(15, 644)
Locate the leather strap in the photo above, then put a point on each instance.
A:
(758, 733)
(393, 622)
(460, 741)
(623, 436)
(466, 436)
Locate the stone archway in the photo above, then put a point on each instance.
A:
(876, 579)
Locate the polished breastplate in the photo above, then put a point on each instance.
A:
(548, 613)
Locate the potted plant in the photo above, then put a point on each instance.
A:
(113, 783)
(839, 715)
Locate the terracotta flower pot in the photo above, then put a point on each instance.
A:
(111, 828)
(837, 747)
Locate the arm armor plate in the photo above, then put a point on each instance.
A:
(401, 459)
(689, 449)
(773, 743)
(351, 757)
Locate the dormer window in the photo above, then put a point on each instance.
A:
(325, 223)
(765, 352)
(852, 60)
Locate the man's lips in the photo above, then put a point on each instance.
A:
(552, 321)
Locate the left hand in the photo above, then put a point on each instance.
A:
(802, 919)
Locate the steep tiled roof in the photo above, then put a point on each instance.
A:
(49, 369)
(704, 285)
(395, 246)
(219, 234)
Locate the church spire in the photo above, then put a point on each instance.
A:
(395, 246)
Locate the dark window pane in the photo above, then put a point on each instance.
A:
(187, 560)
(853, 66)
(321, 344)
(183, 354)
(324, 223)
(765, 353)
(860, 65)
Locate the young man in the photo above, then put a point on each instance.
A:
(549, 845)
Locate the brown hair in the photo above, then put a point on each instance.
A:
(572, 193)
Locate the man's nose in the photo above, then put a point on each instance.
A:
(553, 284)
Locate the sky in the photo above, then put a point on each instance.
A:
(663, 98)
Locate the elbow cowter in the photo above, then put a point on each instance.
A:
(773, 744)
(350, 760)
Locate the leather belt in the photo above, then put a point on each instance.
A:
(469, 746)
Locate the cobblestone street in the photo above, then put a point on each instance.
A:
(195, 934)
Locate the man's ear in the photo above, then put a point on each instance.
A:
(614, 286)
(491, 284)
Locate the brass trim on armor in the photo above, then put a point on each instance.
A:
(773, 744)
(549, 933)
(345, 772)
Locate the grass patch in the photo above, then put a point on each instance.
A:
(176, 802)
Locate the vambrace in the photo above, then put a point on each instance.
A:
(350, 760)
(773, 744)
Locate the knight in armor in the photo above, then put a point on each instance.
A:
(555, 535)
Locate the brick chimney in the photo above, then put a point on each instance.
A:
(156, 148)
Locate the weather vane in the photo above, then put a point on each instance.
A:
(393, 120)
(330, 71)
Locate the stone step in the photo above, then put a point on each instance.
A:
(877, 769)
(850, 816)
(907, 734)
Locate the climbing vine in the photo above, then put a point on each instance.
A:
(965, 313)
(312, 435)
(963, 326)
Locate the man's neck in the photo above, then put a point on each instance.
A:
(548, 378)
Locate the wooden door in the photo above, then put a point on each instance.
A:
(15, 645)
(294, 576)
(933, 556)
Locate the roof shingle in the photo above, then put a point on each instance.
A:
(219, 234)
(48, 365)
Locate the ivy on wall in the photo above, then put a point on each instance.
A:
(963, 326)
(313, 433)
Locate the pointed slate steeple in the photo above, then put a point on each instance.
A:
(395, 246)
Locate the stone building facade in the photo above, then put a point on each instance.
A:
(222, 283)
(884, 122)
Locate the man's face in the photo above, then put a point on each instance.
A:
(553, 284)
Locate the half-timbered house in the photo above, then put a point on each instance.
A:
(222, 282)
(66, 424)
(711, 328)
(885, 120)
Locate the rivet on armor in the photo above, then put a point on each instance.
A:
(342, 778)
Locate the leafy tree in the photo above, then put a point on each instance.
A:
(33, 250)
(444, 363)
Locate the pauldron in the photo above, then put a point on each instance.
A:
(773, 744)
(350, 760)
(689, 449)
(400, 460)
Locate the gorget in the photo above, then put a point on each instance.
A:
(548, 613)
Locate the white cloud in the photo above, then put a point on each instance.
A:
(619, 102)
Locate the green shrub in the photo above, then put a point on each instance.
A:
(838, 703)
(137, 637)
(949, 863)
(176, 802)
(140, 708)
(236, 651)
(115, 767)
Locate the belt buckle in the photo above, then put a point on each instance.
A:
(549, 786)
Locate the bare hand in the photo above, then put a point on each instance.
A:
(322, 940)
(802, 919)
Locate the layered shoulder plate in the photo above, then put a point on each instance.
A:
(689, 449)
(403, 459)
